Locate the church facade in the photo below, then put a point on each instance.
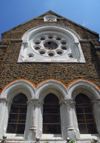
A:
(50, 81)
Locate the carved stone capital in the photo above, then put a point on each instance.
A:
(9, 102)
(61, 103)
(40, 103)
(2, 100)
(70, 102)
(94, 101)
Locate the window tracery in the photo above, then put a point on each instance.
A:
(51, 43)
(17, 117)
(51, 115)
(85, 115)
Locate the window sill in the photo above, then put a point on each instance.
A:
(51, 137)
(19, 137)
(89, 136)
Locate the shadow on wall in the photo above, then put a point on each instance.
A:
(96, 59)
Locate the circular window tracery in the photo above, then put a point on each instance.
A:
(59, 52)
(37, 48)
(37, 43)
(51, 54)
(67, 40)
(42, 52)
(57, 45)
(50, 45)
(64, 48)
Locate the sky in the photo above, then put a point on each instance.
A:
(15, 12)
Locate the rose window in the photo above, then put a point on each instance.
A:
(50, 46)
(51, 43)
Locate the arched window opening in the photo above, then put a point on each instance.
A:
(85, 116)
(51, 115)
(17, 116)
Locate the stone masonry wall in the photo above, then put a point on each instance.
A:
(36, 72)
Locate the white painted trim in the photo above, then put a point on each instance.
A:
(85, 87)
(64, 95)
(73, 46)
(18, 86)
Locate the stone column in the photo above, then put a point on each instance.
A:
(32, 129)
(4, 114)
(2, 103)
(70, 125)
(96, 112)
(63, 120)
(2, 110)
(75, 119)
(40, 119)
(98, 102)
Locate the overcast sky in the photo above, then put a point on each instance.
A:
(84, 12)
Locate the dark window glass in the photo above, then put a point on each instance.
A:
(59, 52)
(58, 38)
(63, 43)
(37, 43)
(64, 48)
(42, 38)
(85, 115)
(17, 117)
(37, 48)
(42, 52)
(51, 54)
(50, 45)
(51, 115)
(50, 37)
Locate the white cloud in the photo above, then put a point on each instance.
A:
(87, 23)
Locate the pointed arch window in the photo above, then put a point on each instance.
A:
(85, 116)
(51, 115)
(17, 116)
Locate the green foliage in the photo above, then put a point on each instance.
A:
(72, 141)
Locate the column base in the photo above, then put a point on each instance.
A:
(72, 134)
(32, 135)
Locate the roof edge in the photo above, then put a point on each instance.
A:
(57, 18)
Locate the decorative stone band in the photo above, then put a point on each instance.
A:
(97, 47)
(16, 40)
(3, 46)
(4, 100)
(85, 41)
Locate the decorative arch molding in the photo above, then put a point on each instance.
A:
(83, 86)
(34, 91)
(29, 34)
(17, 86)
(52, 86)
(51, 43)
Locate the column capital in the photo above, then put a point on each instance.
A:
(2, 99)
(94, 101)
(61, 103)
(40, 102)
(33, 101)
(9, 102)
(69, 102)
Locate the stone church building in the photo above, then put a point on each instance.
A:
(49, 81)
